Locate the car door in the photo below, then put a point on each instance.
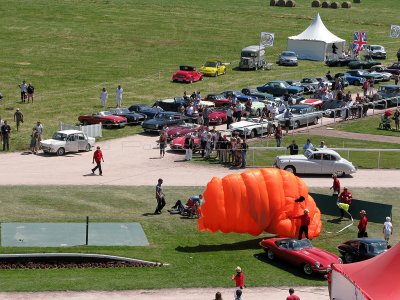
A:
(313, 164)
(327, 164)
(82, 142)
(71, 144)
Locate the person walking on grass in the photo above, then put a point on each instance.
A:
(18, 117)
(30, 90)
(103, 97)
(5, 133)
(362, 225)
(118, 96)
(238, 278)
(160, 197)
(387, 229)
(98, 158)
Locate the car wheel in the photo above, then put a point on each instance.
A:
(315, 121)
(191, 80)
(290, 169)
(87, 148)
(340, 173)
(356, 82)
(270, 254)
(307, 269)
(253, 134)
(216, 73)
(60, 151)
(219, 122)
(296, 125)
(348, 258)
(258, 113)
(224, 72)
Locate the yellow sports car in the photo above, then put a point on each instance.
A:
(213, 68)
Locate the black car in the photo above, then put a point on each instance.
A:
(332, 108)
(170, 104)
(132, 117)
(150, 112)
(361, 249)
(338, 62)
(308, 88)
(163, 118)
(390, 95)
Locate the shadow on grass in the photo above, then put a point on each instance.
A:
(335, 221)
(243, 245)
(297, 271)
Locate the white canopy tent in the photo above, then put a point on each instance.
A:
(315, 43)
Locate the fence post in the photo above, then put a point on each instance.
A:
(379, 159)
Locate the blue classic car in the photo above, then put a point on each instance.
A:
(352, 80)
(163, 118)
(279, 88)
(239, 95)
(145, 109)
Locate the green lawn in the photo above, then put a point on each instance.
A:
(70, 49)
(367, 125)
(364, 160)
(196, 259)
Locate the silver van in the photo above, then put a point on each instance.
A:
(252, 57)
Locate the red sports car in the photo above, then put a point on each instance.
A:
(300, 253)
(179, 142)
(218, 117)
(218, 99)
(317, 103)
(187, 74)
(105, 117)
(181, 130)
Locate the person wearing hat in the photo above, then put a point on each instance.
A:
(98, 157)
(387, 229)
(239, 278)
(305, 222)
(18, 117)
(362, 225)
(346, 198)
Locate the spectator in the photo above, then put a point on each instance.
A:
(160, 197)
(387, 229)
(30, 90)
(238, 295)
(238, 112)
(5, 133)
(23, 88)
(322, 145)
(189, 145)
(239, 278)
(229, 117)
(118, 96)
(34, 141)
(98, 158)
(278, 135)
(39, 129)
(396, 117)
(293, 148)
(362, 225)
(103, 97)
(365, 87)
(305, 222)
(292, 296)
(335, 186)
(163, 143)
(218, 296)
(206, 115)
(244, 149)
(345, 198)
(18, 117)
(308, 145)
(288, 117)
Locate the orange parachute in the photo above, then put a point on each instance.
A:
(257, 201)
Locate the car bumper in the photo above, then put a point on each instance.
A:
(288, 63)
(209, 73)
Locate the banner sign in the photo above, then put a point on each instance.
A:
(267, 39)
(394, 31)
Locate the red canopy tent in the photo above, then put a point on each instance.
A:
(373, 279)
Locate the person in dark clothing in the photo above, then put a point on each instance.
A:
(305, 222)
(334, 48)
(18, 117)
(206, 115)
(244, 148)
(293, 148)
(5, 133)
(160, 197)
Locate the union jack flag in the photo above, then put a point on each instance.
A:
(360, 41)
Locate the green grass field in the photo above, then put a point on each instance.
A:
(69, 50)
(197, 259)
(367, 125)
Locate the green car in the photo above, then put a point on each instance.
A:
(363, 64)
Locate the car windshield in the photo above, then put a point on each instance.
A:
(144, 107)
(124, 110)
(211, 64)
(377, 247)
(248, 54)
(289, 54)
(164, 116)
(376, 47)
(300, 244)
(297, 111)
(60, 136)
(105, 113)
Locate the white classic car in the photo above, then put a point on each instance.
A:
(252, 127)
(318, 161)
(67, 141)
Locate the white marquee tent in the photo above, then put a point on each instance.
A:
(315, 43)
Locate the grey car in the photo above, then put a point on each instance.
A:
(301, 115)
(288, 58)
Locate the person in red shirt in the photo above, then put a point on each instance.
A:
(305, 221)
(362, 225)
(98, 157)
(346, 198)
(335, 186)
(239, 278)
(292, 295)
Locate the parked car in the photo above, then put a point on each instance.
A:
(239, 95)
(213, 68)
(145, 109)
(325, 81)
(300, 253)
(170, 104)
(352, 80)
(390, 94)
(131, 116)
(187, 74)
(386, 75)
(279, 88)
(363, 64)
(218, 99)
(253, 92)
(311, 81)
(218, 117)
(64, 141)
(161, 119)
(252, 127)
(394, 68)
(376, 51)
(106, 118)
(316, 103)
(338, 62)
(302, 114)
(318, 161)
(308, 88)
(379, 69)
(178, 144)
(181, 130)
(256, 107)
(361, 249)
(365, 74)
(332, 108)
(288, 58)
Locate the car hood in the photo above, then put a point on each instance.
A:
(209, 69)
(241, 124)
(52, 142)
(323, 257)
(153, 122)
(292, 157)
(217, 114)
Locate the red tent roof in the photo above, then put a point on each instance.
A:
(377, 278)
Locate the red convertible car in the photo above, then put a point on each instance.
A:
(300, 253)
(179, 142)
(217, 117)
(107, 119)
(181, 130)
(218, 99)
(187, 74)
(317, 103)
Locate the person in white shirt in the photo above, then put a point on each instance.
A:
(118, 96)
(239, 109)
(24, 90)
(387, 229)
(39, 129)
(103, 97)
(282, 108)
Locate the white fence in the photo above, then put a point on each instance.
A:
(94, 130)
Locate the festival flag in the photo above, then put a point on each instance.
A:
(394, 31)
(360, 41)
(267, 39)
